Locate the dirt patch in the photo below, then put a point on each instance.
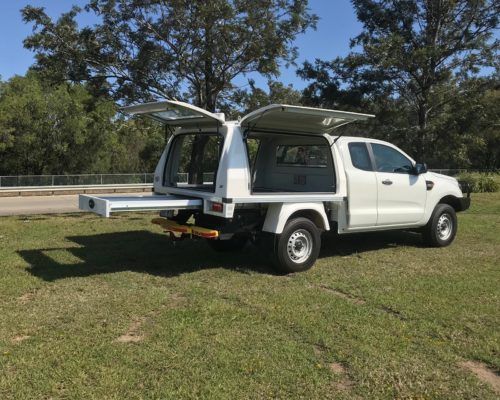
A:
(337, 368)
(133, 334)
(344, 383)
(483, 373)
(176, 300)
(20, 338)
(341, 294)
(319, 350)
(27, 297)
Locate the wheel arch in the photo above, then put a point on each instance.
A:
(311, 215)
(279, 214)
(452, 201)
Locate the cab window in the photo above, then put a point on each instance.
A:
(360, 157)
(388, 159)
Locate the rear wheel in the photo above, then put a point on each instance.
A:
(297, 247)
(237, 242)
(441, 229)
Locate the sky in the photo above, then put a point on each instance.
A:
(336, 26)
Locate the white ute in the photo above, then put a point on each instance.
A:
(280, 176)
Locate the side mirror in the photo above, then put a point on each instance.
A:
(420, 168)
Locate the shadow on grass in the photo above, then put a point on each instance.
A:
(345, 245)
(152, 253)
(138, 251)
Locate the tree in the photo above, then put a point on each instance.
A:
(169, 48)
(64, 129)
(241, 101)
(414, 51)
(466, 134)
(137, 145)
(51, 130)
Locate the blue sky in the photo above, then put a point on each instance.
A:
(336, 26)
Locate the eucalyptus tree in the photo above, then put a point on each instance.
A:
(412, 52)
(178, 49)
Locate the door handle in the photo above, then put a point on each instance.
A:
(387, 182)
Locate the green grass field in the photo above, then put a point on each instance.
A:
(94, 308)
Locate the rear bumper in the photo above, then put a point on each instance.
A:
(464, 203)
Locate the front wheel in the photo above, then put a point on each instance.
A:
(297, 248)
(442, 227)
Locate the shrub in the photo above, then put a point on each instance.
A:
(481, 182)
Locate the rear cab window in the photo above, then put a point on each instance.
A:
(360, 157)
(302, 156)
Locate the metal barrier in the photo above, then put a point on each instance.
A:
(73, 189)
(458, 171)
(449, 172)
(35, 181)
(75, 180)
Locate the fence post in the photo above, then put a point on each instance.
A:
(101, 179)
(52, 180)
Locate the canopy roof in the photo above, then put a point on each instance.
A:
(275, 117)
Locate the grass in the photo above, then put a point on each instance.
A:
(97, 308)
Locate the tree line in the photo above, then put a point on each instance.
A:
(429, 70)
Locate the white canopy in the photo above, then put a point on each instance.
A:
(282, 117)
(175, 113)
(275, 117)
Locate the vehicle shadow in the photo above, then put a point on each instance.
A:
(138, 251)
(345, 245)
(153, 253)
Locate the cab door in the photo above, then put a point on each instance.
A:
(361, 186)
(401, 194)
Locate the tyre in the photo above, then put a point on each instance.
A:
(442, 227)
(237, 242)
(297, 247)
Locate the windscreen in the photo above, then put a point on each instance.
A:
(193, 161)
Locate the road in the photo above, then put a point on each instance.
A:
(26, 205)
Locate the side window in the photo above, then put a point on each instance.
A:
(359, 156)
(302, 155)
(388, 159)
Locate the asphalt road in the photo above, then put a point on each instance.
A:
(26, 205)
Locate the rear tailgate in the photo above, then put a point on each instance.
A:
(105, 205)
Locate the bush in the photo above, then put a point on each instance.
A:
(481, 182)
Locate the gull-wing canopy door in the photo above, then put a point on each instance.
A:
(176, 113)
(296, 119)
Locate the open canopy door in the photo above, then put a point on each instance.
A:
(175, 113)
(282, 117)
